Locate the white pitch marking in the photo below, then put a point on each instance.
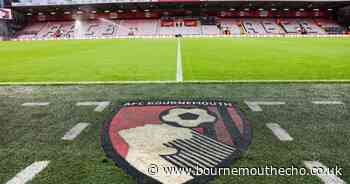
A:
(169, 82)
(29, 173)
(75, 131)
(100, 105)
(179, 75)
(327, 178)
(31, 104)
(255, 106)
(279, 132)
(328, 102)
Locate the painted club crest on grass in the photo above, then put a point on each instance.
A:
(147, 138)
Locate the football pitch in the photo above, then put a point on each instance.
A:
(235, 59)
(293, 124)
(28, 134)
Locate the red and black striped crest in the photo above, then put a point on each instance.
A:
(149, 138)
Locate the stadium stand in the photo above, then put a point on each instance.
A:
(63, 19)
(104, 28)
(253, 26)
(209, 26)
(69, 29)
(291, 26)
(271, 27)
(311, 27)
(180, 27)
(56, 29)
(107, 29)
(330, 26)
(89, 30)
(138, 27)
(210, 30)
(230, 27)
(31, 31)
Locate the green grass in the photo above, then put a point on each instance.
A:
(91, 60)
(203, 59)
(32, 134)
(266, 59)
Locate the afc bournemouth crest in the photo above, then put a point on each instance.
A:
(146, 138)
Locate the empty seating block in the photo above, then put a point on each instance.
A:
(31, 31)
(153, 27)
(66, 29)
(179, 28)
(253, 26)
(271, 27)
(210, 30)
(311, 27)
(91, 30)
(291, 26)
(138, 28)
(330, 26)
(230, 25)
